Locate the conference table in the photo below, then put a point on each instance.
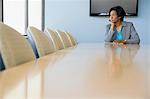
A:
(85, 71)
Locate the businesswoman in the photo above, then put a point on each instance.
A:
(120, 31)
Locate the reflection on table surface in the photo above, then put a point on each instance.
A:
(87, 71)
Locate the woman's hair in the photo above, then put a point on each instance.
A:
(120, 12)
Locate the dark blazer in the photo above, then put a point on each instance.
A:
(128, 32)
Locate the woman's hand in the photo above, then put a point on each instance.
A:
(112, 25)
(120, 41)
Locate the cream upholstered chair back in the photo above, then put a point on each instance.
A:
(64, 38)
(52, 34)
(43, 44)
(14, 48)
(72, 39)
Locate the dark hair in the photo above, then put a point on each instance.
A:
(120, 12)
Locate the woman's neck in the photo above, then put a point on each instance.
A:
(118, 23)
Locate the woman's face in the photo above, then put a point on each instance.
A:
(113, 16)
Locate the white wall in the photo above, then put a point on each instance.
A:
(73, 15)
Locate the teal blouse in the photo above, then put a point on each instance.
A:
(118, 34)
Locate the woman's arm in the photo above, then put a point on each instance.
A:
(134, 37)
(109, 33)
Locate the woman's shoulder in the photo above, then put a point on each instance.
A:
(108, 25)
(125, 23)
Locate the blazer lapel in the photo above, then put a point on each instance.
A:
(123, 30)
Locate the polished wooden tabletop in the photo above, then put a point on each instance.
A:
(87, 71)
